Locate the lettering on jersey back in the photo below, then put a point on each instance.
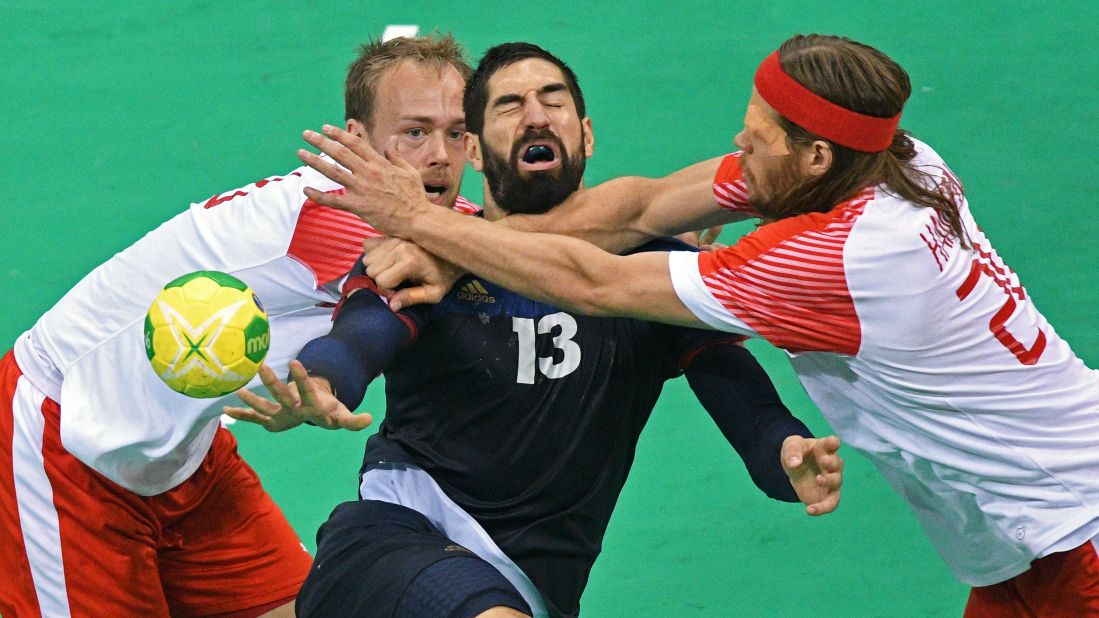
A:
(937, 235)
(950, 187)
(940, 239)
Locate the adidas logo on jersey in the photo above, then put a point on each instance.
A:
(474, 292)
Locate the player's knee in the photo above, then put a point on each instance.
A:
(461, 587)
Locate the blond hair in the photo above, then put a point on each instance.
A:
(377, 57)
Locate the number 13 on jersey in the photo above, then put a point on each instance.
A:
(527, 332)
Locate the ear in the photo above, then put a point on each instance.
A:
(356, 128)
(816, 160)
(589, 137)
(472, 145)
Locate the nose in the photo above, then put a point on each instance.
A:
(435, 152)
(534, 113)
(741, 140)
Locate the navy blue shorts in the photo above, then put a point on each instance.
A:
(380, 559)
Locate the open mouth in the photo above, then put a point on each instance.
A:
(435, 192)
(540, 156)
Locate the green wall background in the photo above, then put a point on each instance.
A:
(114, 117)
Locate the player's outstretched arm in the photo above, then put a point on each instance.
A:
(815, 469)
(305, 399)
(625, 212)
(564, 271)
(364, 339)
(740, 397)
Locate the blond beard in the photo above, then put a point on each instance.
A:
(782, 184)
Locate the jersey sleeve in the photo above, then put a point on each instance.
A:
(729, 189)
(785, 282)
(365, 337)
(739, 396)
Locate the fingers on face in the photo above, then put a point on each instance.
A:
(353, 143)
(331, 147)
(390, 151)
(349, 150)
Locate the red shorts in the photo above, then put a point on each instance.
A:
(73, 542)
(1062, 584)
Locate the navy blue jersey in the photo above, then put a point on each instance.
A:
(528, 417)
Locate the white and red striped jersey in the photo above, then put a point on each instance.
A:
(927, 357)
(87, 352)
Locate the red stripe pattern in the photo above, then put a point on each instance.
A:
(730, 191)
(17, 593)
(329, 241)
(465, 206)
(786, 280)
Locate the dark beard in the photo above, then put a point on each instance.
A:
(540, 191)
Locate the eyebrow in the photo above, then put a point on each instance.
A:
(514, 98)
(430, 120)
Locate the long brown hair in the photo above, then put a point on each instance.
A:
(862, 79)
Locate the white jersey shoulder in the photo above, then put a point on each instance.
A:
(953, 388)
(86, 351)
(953, 384)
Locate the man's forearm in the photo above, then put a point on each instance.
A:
(546, 267)
(559, 270)
(605, 216)
(625, 212)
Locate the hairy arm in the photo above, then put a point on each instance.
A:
(560, 270)
(565, 271)
(625, 212)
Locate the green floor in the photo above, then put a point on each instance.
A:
(113, 119)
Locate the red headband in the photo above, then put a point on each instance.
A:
(820, 116)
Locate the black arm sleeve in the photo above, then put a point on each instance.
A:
(739, 395)
(364, 339)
